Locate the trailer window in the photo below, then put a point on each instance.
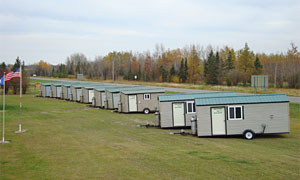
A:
(190, 107)
(235, 113)
(147, 97)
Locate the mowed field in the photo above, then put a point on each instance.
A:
(67, 140)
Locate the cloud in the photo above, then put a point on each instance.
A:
(52, 30)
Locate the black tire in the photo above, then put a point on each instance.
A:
(146, 111)
(248, 134)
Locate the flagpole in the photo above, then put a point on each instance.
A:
(3, 140)
(20, 122)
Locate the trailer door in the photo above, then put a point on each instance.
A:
(69, 93)
(58, 92)
(48, 91)
(91, 96)
(78, 94)
(178, 114)
(132, 103)
(116, 100)
(103, 98)
(218, 121)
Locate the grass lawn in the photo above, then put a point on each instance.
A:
(67, 140)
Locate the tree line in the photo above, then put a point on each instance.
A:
(14, 84)
(191, 64)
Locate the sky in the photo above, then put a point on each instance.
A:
(51, 30)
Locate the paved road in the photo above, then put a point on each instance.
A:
(292, 99)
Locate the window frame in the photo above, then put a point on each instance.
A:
(193, 107)
(147, 99)
(234, 113)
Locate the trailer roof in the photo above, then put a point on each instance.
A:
(46, 84)
(92, 86)
(103, 88)
(142, 91)
(180, 97)
(242, 99)
(119, 89)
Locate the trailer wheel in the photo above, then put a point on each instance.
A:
(248, 134)
(146, 111)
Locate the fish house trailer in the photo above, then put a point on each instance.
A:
(45, 92)
(76, 92)
(56, 89)
(88, 93)
(113, 95)
(140, 100)
(245, 115)
(176, 110)
(66, 91)
(100, 96)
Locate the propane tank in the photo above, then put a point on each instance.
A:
(194, 125)
(157, 119)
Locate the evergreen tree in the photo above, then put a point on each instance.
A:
(212, 69)
(181, 70)
(172, 73)
(205, 68)
(3, 65)
(17, 64)
(229, 62)
(185, 70)
(257, 65)
(164, 73)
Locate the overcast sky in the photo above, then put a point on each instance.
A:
(52, 30)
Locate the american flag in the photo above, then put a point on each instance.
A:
(12, 74)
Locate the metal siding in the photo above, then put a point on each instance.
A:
(109, 99)
(78, 94)
(43, 91)
(124, 101)
(97, 95)
(151, 104)
(188, 118)
(103, 98)
(257, 114)
(65, 92)
(73, 90)
(203, 121)
(85, 94)
(53, 91)
(58, 91)
(166, 119)
(116, 100)
(48, 91)
(69, 93)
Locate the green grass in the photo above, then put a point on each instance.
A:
(67, 140)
